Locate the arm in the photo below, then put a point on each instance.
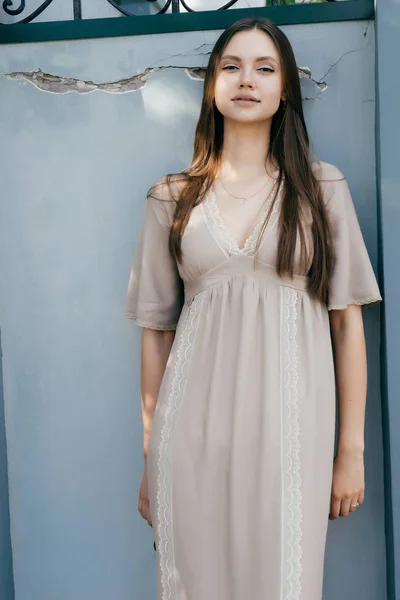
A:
(154, 300)
(347, 331)
(156, 346)
(348, 340)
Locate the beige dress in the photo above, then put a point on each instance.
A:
(241, 449)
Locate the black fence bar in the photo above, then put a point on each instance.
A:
(77, 9)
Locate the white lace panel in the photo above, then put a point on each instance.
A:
(164, 481)
(220, 232)
(291, 461)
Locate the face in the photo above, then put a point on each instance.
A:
(248, 85)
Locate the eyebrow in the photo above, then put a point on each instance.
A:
(259, 59)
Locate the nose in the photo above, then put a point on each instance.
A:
(246, 79)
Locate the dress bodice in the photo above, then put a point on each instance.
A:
(209, 249)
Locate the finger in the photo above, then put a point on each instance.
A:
(335, 508)
(361, 497)
(354, 504)
(345, 507)
(143, 512)
(147, 515)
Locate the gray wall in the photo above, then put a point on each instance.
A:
(74, 171)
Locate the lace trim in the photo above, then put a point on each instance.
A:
(164, 483)
(369, 300)
(148, 325)
(292, 484)
(221, 232)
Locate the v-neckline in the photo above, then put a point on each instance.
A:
(249, 245)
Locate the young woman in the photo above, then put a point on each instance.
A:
(248, 280)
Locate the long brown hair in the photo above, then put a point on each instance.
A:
(289, 151)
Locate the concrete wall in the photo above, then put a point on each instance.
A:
(74, 169)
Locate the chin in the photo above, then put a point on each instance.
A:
(247, 118)
(246, 115)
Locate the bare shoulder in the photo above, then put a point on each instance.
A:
(325, 172)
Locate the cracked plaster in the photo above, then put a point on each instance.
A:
(57, 84)
(46, 79)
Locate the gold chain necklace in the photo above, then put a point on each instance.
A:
(244, 199)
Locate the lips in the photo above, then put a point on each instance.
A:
(245, 98)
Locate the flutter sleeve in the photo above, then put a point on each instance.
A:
(155, 289)
(353, 280)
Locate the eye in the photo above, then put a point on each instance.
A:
(266, 69)
(229, 68)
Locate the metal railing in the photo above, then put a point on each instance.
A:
(174, 16)
(174, 4)
(10, 7)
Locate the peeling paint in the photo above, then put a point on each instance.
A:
(305, 73)
(57, 84)
(197, 73)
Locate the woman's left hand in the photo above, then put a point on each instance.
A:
(348, 483)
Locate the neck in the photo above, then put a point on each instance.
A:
(245, 149)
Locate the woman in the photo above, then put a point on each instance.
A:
(248, 280)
